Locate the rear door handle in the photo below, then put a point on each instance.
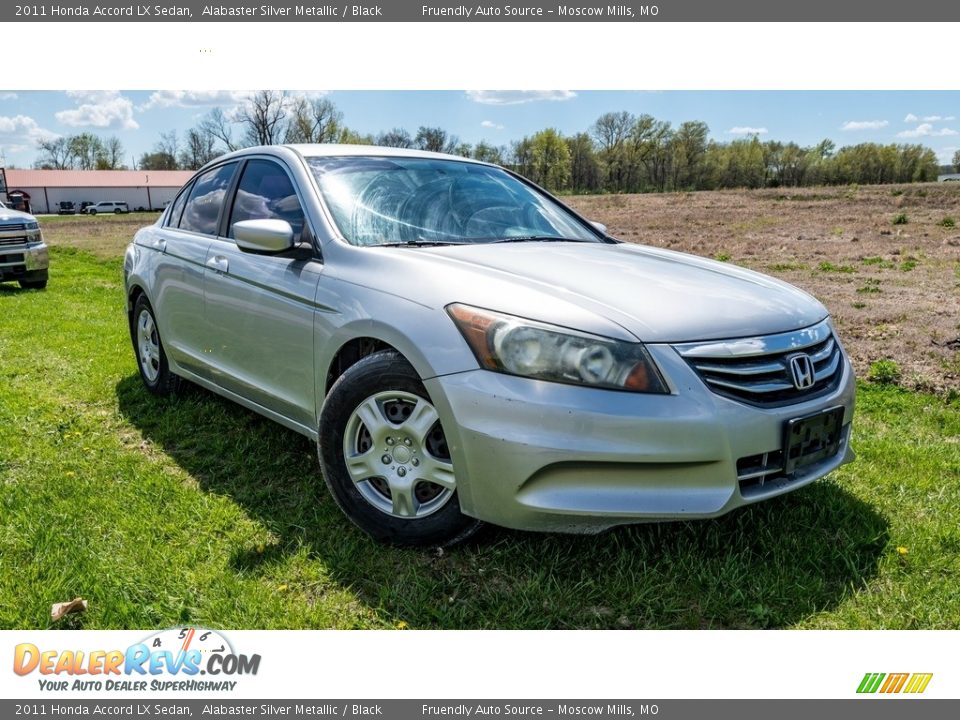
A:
(218, 263)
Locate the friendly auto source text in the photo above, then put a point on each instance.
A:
(466, 12)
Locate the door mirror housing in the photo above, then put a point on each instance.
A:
(599, 226)
(265, 236)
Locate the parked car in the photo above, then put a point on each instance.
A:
(65, 207)
(84, 205)
(463, 347)
(108, 206)
(23, 254)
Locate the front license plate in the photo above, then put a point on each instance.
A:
(813, 438)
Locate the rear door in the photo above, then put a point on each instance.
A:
(178, 282)
(260, 307)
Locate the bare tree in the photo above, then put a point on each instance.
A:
(956, 161)
(55, 154)
(199, 149)
(217, 125)
(264, 117)
(111, 157)
(398, 137)
(313, 121)
(435, 139)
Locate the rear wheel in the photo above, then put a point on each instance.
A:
(385, 456)
(148, 348)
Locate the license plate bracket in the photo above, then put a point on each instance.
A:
(811, 438)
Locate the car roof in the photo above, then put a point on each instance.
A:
(342, 150)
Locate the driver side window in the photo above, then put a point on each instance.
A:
(265, 192)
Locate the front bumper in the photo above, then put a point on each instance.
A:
(543, 456)
(23, 262)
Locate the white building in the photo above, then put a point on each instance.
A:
(46, 189)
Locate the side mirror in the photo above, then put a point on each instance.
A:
(266, 236)
(599, 226)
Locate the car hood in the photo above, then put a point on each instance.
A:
(15, 216)
(656, 295)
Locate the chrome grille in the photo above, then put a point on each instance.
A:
(11, 227)
(14, 240)
(757, 370)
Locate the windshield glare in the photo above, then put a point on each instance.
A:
(383, 200)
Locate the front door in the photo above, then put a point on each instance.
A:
(259, 307)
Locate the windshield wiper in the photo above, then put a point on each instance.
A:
(420, 243)
(537, 238)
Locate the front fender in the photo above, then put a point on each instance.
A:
(425, 336)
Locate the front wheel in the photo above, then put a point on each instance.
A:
(385, 457)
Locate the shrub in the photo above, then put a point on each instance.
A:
(948, 222)
(722, 256)
(884, 372)
(900, 219)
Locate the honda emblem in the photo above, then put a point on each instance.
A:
(802, 371)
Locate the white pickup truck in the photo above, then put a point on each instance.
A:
(23, 254)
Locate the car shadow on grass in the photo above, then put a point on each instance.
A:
(770, 565)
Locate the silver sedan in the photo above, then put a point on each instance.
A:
(463, 347)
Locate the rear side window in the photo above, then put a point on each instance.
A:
(202, 210)
(173, 219)
(265, 192)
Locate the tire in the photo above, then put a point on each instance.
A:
(91, 212)
(384, 491)
(148, 350)
(33, 284)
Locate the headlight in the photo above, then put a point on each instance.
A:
(509, 344)
(33, 225)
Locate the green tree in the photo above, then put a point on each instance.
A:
(550, 160)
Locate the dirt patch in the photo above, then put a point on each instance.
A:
(892, 284)
(106, 236)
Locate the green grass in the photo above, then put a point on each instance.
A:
(193, 510)
(827, 266)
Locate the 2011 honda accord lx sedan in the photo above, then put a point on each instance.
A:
(463, 347)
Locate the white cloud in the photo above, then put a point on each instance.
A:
(744, 130)
(21, 132)
(864, 124)
(491, 125)
(194, 98)
(926, 130)
(8, 96)
(99, 109)
(945, 155)
(518, 97)
(911, 118)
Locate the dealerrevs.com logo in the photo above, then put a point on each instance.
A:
(891, 683)
(179, 659)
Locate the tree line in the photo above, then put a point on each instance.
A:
(620, 152)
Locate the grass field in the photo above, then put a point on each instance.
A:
(194, 510)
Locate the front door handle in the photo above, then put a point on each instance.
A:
(218, 263)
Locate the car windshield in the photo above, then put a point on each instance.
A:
(424, 201)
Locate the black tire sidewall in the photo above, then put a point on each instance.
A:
(379, 372)
(166, 381)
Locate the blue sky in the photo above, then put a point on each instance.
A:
(138, 117)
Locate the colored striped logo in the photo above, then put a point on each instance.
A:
(894, 683)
